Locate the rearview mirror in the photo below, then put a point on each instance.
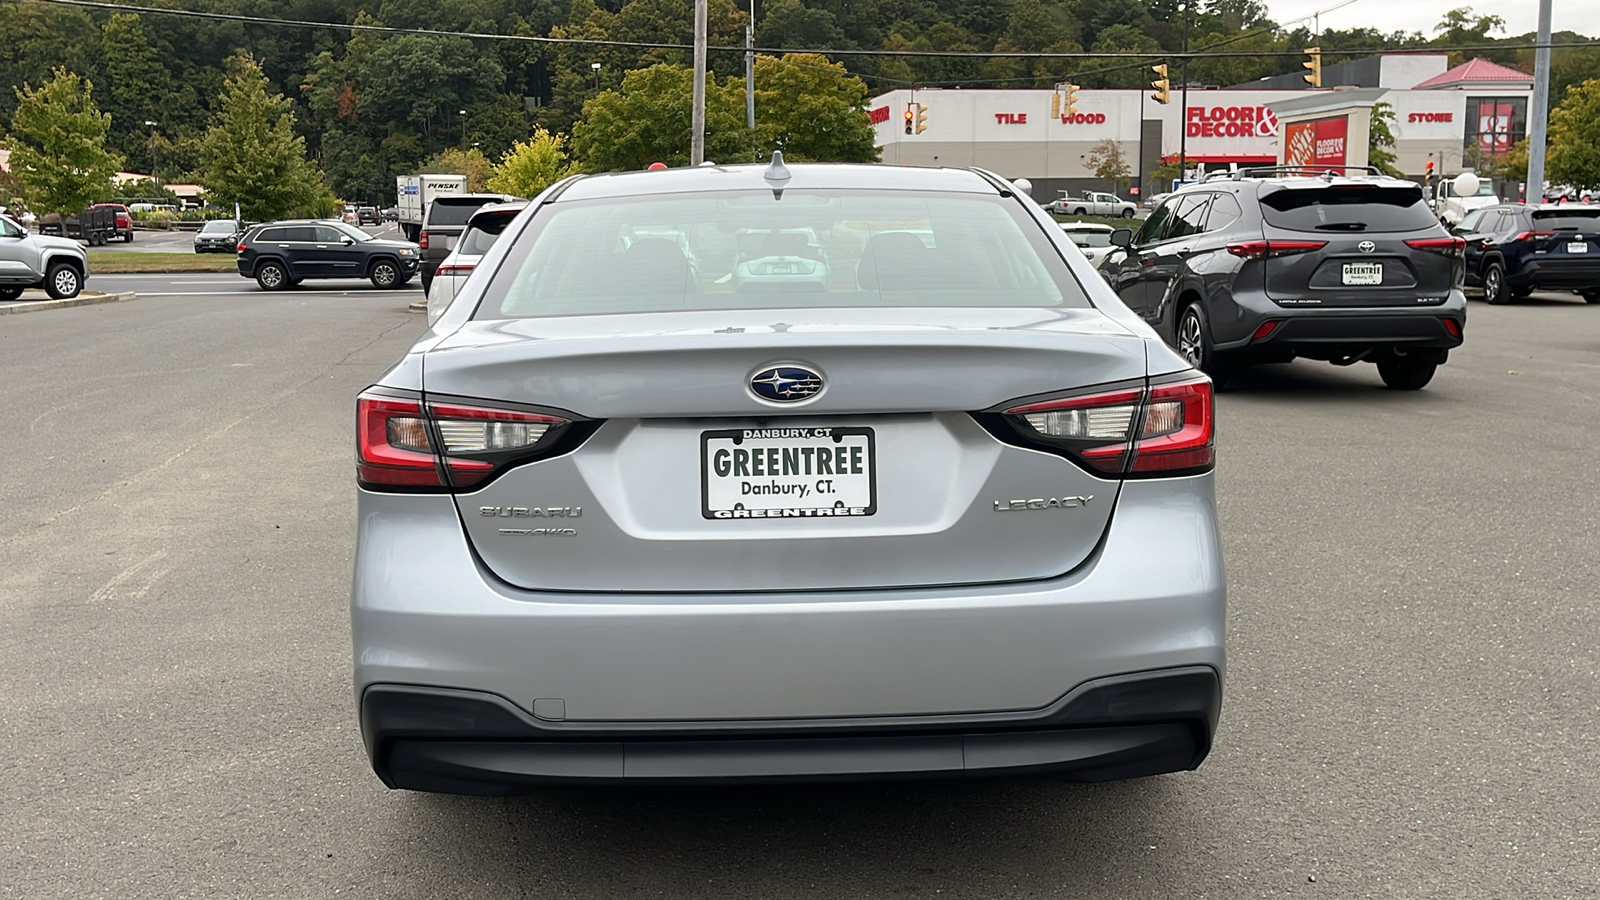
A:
(1122, 237)
(347, 241)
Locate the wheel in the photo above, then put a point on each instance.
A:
(1079, 212)
(271, 276)
(1521, 293)
(1406, 373)
(62, 282)
(9, 294)
(1194, 344)
(1494, 284)
(1591, 296)
(384, 275)
(127, 238)
(1127, 214)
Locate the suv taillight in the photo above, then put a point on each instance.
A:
(1166, 429)
(455, 269)
(422, 240)
(1269, 249)
(400, 445)
(240, 248)
(1529, 235)
(1449, 246)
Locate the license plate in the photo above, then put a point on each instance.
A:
(1363, 273)
(784, 473)
(1578, 247)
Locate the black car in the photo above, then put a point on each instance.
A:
(368, 215)
(1518, 248)
(443, 223)
(217, 236)
(1272, 264)
(282, 254)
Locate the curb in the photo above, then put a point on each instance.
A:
(80, 300)
(420, 306)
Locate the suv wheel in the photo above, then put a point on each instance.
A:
(11, 293)
(271, 276)
(1194, 343)
(1591, 296)
(62, 282)
(384, 274)
(1494, 284)
(1406, 373)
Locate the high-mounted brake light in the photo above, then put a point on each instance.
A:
(1271, 249)
(401, 444)
(1165, 430)
(1449, 246)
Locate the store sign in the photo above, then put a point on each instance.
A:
(1083, 119)
(879, 115)
(1320, 142)
(1431, 117)
(1011, 118)
(1230, 121)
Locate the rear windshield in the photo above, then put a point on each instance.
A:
(754, 250)
(1566, 219)
(455, 211)
(484, 232)
(1348, 208)
(1090, 238)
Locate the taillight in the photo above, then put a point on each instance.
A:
(1533, 234)
(1270, 249)
(1452, 326)
(422, 240)
(403, 444)
(1164, 430)
(1449, 246)
(240, 248)
(1264, 330)
(455, 269)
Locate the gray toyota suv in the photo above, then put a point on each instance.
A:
(1268, 265)
(30, 260)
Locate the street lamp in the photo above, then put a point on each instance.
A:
(153, 176)
(463, 114)
(595, 67)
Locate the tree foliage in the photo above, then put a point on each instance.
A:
(811, 109)
(1108, 164)
(648, 121)
(532, 165)
(1574, 156)
(58, 145)
(252, 155)
(471, 163)
(1380, 139)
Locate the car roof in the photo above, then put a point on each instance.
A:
(802, 176)
(491, 209)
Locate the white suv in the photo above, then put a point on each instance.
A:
(34, 260)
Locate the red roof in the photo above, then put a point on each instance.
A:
(1476, 70)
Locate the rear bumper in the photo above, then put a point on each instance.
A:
(1569, 273)
(1332, 330)
(1129, 726)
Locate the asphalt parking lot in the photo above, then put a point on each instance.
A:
(1410, 709)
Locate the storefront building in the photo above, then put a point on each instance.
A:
(1455, 119)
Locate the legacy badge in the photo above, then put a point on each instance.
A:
(1042, 503)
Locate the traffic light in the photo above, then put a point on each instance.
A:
(922, 117)
(1427, 173)
(1162, 85)
(910, 115)
(1069, 98)
(1314, 64)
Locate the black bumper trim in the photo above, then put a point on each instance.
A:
(467, 742)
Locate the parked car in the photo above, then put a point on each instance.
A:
(1093, 238)
(442, 224)
(218, 236)
(280, 255)
(121, 222)
(1269, 265)
(618, 522)
(1094, 204)
(483, 229)
(1516, 249)
(57, 264)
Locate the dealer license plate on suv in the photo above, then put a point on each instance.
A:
(1578, 247)
(1363, 273)
(781, 473)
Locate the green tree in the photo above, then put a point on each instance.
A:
(1461, 27)
(1574, 155)
(252, 155)
(471, 163)
(1109, 165)
(1380, 139)
(58, 145)
(138, 87)
(531, 166)
(811, 109)
(648, 121)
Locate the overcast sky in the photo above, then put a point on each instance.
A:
(1521, 16)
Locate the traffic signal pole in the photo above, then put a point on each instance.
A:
(697, 116)
(1539, 109)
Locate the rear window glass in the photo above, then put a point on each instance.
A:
(1349, 208)
(454, 212)
(805, 249)
(1090, 238)
(1566, 219)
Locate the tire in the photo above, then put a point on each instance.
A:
(1127, 214)
(272, 276)
(9, 294)
(1406, 373)
(1495, 291)
(1521, 293)
(127, 238)
(62, 282)
(1080, 212)
(1591, 297)
(385, 275)
(1194, 344)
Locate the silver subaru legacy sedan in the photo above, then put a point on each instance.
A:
(631, 513)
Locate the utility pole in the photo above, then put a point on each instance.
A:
(750, 69)
(1183, 102)
(697, 123)
(1540, 110)
(153, 165)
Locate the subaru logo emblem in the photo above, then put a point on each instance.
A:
(1366, 246)
(785, 384)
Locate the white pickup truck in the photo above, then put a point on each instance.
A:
(1452, 207)
(1093, 203)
